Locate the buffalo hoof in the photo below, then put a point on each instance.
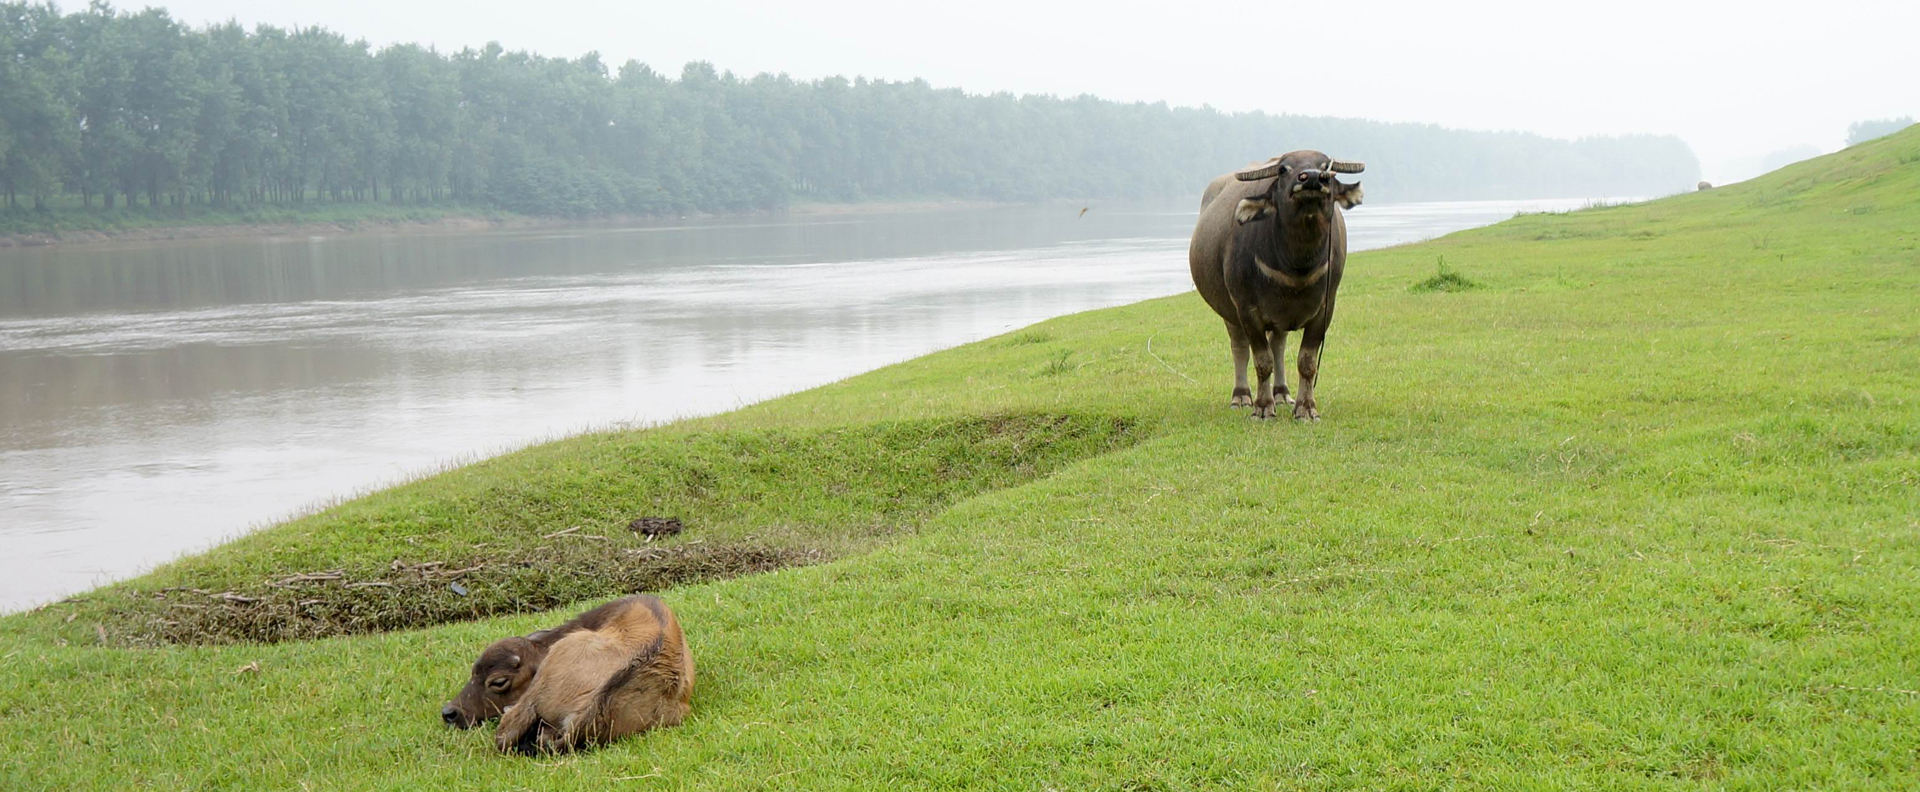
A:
(551, 742)
(1241, 398)
(1305, 412)
(1262, 412)
(1283, 397)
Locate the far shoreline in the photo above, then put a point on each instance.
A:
(475, 221)
(460, 219)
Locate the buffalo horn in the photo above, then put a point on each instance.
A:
(1266, 171)
(1347, 166)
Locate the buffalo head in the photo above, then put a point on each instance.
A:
(499, 678)
(1303, 183)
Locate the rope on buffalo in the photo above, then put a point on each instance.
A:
(1165, 363)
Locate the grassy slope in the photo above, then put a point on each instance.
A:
(1639, 511)
(548, 527)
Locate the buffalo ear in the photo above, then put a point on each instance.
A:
(1251, 209)
(1347, 195)
(538, 635)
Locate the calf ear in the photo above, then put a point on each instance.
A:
(1348, 195)
(1251, 209)
(539, 635)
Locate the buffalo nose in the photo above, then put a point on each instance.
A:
(449, 714)
(1311, 176)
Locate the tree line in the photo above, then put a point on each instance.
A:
(1863, 131)
(103, 108)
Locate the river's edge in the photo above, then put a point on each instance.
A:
(456, 222)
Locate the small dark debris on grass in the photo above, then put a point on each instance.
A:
(656, 527)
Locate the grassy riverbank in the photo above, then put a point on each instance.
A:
(1631, 503)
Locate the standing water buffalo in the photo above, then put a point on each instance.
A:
(1267, 255)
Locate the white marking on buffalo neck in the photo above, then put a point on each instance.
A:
(1291, 281)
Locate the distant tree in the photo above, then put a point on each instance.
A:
(227, 136)
(100, 42)
(161, 104)
(1863, 131)
(425, 110)
(38, 139)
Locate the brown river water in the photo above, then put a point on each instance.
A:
(158, 398)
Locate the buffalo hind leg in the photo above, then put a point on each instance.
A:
(1242, 395)
(1278, 341)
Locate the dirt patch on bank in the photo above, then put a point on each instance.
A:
(416, 593)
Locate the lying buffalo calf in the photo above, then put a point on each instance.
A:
(630, 673)
(615, 670)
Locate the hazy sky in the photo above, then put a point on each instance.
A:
(1734, 79)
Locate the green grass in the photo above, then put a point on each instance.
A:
(1445, 279)
(1641, 511)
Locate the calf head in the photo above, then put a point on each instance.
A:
(501, 675)
(1303, 185)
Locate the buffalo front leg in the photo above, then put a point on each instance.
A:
(1304, 407)
(1242, 395)
(1263, 373)
(518, 729)
(1277, 340)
